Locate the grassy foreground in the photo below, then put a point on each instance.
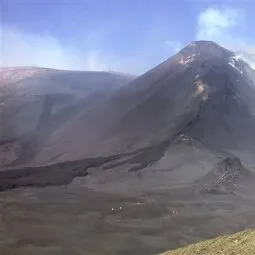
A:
(242, 243)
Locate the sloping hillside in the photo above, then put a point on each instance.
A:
(35, 102)
(242, 243)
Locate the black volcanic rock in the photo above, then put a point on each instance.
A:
(228, 176)
(55, 174)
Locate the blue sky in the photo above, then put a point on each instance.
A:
(120, 35)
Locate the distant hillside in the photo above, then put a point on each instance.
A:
(242, 243)
(36, 102)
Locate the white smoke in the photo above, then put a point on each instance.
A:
(225, 26)
(248, 56)
(23, 49)
(216, 23)
(19, 48)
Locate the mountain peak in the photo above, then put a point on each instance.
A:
(204, 43)
(201, 53)
(206, 48)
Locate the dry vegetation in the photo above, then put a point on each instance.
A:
(242, 243)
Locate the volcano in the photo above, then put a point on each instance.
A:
(201, 98)
(205, 92)
(135, 165)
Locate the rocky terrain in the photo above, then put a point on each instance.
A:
(228, 176)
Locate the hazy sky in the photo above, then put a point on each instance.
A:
(119, 35)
